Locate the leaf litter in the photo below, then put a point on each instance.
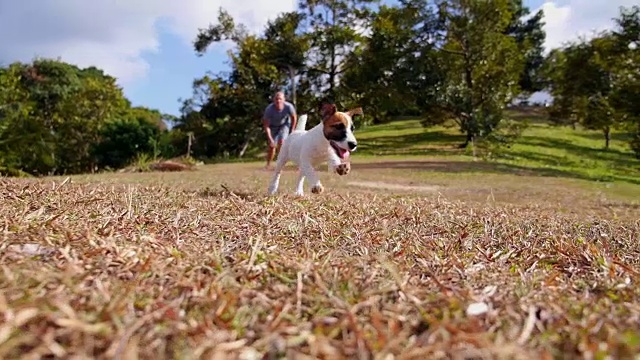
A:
(126, 271)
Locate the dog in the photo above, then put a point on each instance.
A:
(332, 140)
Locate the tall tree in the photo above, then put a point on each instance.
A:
(97, 101)
(224, 112)
(582, 76)
(481, 63)
(625, 96)
(335, 28)
(55, 111)
(288, 46)
(21, 137)
(396, 67)
(528, 30)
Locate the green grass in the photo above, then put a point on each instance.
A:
(543, 150)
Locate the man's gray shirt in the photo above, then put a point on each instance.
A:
(279, 118)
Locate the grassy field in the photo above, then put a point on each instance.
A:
(419, 253)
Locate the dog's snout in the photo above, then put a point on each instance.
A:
(352, 144)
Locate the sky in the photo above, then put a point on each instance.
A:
(147, 44)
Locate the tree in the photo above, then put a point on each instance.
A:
(97, 101)
(596, 82)
(21, 139)
(625, 97)
(396, 65)
(582, 81)
(528, 30)
(481, 66)
(225, 109)
(53, 114)
(56, 112)
(334, 28)
(286, 47)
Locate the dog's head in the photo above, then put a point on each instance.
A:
(338, 129)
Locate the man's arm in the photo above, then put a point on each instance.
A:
(294, 118)
(267, 129)
(265, 125)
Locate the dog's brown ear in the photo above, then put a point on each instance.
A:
(327, 110)
(355, 111)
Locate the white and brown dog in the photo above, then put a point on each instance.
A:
(332, 140)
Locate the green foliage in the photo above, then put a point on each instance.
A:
(594, 82)
(581, 77)
(287, 47)
(54, 115)
(448, 62)
(386, 77)
(625, 97)
(527, 29)
(481, 63)
(334, 29)
(122, 140)
(225, 29)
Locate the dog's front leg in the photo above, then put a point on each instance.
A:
(275, 180)
(300, 184)
(336, 165)
(307, 170)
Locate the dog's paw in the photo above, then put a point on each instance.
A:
(343, 169)
(317, 189)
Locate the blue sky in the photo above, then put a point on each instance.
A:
(146, 44)
(171, 73)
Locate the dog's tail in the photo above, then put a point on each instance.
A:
(302, 123)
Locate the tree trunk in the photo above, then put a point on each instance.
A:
(190, 134)
(467, 141)
(244, 148)
(607, 137)
(292, 77)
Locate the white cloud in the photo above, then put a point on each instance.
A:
(568, 20)
(114, 34)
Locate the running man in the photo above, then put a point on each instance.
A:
(278, 120)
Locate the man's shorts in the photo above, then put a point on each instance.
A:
(280, 134)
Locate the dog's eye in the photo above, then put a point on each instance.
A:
(353, 128)
(339, 126)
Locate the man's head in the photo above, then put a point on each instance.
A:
(278, 100)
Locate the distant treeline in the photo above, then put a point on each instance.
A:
(443, 61)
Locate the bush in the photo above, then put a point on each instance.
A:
(124, 140)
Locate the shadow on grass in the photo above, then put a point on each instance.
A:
(532, 116)
(485, 167)
(434, 142)
(621, 160)
(389, 126)
(616, 136)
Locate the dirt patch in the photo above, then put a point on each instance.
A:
(389, 186)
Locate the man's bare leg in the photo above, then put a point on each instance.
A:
(271, 152)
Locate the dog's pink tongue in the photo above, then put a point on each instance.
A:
(344, 153)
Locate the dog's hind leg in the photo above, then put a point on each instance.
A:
(280, 162)
(300, 184)
(273, 186)
(307, 170)
(275, 180)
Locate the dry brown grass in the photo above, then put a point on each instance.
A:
(150, 267)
